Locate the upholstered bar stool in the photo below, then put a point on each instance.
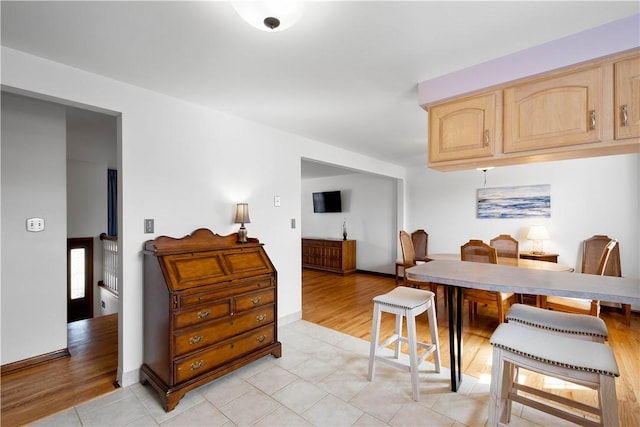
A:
(587, 363)
(580, 326)
(409, 303)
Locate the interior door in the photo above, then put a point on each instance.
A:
(79, 278)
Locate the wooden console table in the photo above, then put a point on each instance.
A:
(549, 257)
(335, 255)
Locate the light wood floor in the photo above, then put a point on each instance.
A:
(343, 303)
(48, 388)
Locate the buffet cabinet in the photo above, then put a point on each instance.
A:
(210, 307)
(335, 255)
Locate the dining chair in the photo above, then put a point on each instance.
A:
(610, 254)
(420, 239)
(479, 251)
(409, 260)
(506, 246)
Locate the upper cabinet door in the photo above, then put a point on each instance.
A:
(554, 112)
(464, 129)
(627, 99)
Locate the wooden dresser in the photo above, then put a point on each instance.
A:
(335, 255)
(210, 307)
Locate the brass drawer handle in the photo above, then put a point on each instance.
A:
(204, 314)
(486, 138)
(625, 115)
(261, 338)
(261, 317)
(592, 116)
(256, 300)
(195, 366)
(196, 339)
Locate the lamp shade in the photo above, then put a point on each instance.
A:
(242, 213)
(538, 232)
(269, 15)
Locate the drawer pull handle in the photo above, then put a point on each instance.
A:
(261, 338)
(592, 115)
(625, 115)
(486, 138)
(196, 339)
(256, 300)
(261, 317)
(204, 314)
(195, 366)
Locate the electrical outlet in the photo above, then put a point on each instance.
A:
(293, 223)
(148, 225)
(35, 224)
(103, 304)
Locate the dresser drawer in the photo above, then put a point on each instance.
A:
(212, 294)
(255, 299)
(222, 329)
(202, 314)
(217, 355)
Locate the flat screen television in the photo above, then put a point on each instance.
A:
(327, 201)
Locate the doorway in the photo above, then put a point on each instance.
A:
(79, 278)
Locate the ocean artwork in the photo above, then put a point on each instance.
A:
(527, 201)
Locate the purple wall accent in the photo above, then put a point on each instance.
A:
(617, 36)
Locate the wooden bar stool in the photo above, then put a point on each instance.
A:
(409, 303)
(587, 363)
(580, 326)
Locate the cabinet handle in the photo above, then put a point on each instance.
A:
(261, 338)
(204, 314)
(261, 317)
(256, 300)
(625, 114)
(196, 339)
(486, 138)
(592, 115)
(195, 366)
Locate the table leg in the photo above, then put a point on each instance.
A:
(454, 309)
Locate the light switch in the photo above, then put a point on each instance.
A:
(35, 224)
(276, 201)
(293, 223)
(148, 225)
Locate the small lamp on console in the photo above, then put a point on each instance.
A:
(538, 234)
(242, 217)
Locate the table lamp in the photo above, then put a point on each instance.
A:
(538, 234)
(242, 217)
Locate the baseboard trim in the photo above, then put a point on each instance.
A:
(376, 273)
(20, 365)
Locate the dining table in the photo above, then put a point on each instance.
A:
(458, 275)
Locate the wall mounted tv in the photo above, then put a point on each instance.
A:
(327, 201)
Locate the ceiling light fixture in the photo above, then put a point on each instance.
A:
(271, 16)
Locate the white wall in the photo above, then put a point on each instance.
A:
(34, 273)
(588, 196)
(186, 167)
(369, 208)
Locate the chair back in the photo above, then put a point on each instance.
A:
(506, 246)
(478, 251)
(607, 256)
(408, 253)
(593, 249)
(420, 240)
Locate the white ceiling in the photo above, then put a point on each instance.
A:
(346, 74)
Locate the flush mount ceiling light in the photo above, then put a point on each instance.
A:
(271, 16)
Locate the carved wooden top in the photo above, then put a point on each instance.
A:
(201, 239)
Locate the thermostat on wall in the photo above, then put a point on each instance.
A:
(35, 224)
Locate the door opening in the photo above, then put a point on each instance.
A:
(79, 278)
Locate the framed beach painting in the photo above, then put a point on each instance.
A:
(525, 201)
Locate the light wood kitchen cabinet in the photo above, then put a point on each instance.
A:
(585, 110)
(627, 98)
(556, 112)
(464, 129)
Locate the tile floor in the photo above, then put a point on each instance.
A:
(320, 380)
